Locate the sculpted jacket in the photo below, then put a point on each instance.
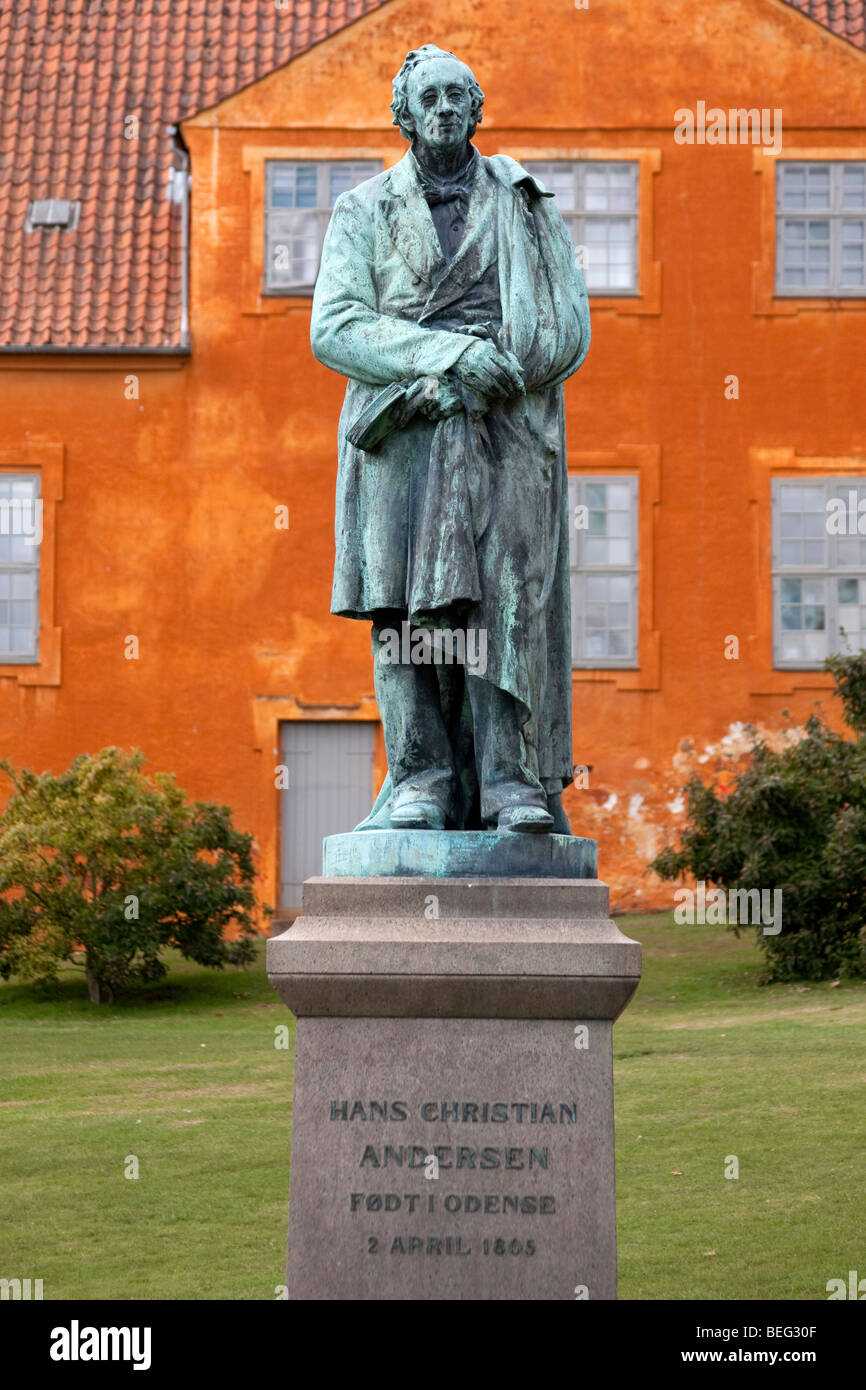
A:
(464, 521)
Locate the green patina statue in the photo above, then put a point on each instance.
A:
(450, 295)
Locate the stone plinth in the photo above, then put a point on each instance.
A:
(453, 1106)
(458, 854)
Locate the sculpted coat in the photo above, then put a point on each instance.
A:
(460, 521)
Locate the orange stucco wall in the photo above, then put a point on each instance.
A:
(166, 528)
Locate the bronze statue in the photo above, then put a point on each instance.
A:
(450, 295)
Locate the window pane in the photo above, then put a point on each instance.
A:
(851, 618)
(848, 552)
(299, 199)
(853, 263)
(813, 618)
(560, 178)
(854, 186)
(342, 177)
(792, 186)
(818, 186)
(606, 245)
(823, 612)
(619, 589)
(618, 496)
(792, 649)
(610, 262)
(19, 554)
(595, 192)
(618, 552)
(848, 591)
(815, 647)
(813, 591)
(821, 255)
(283, 188)
(604, 619)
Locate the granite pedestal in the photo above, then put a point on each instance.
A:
(453, 1106)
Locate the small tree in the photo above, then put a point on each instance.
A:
(101, 867)
(793, 820)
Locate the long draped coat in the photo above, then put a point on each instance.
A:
(464, 521)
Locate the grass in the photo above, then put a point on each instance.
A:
(708, 1064)
(185, 1077)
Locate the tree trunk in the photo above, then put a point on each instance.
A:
(94, 989)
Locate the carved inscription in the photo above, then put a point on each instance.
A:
(425, 1161)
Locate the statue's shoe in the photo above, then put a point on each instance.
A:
(417, 815)
(529, 819)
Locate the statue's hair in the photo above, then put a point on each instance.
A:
(400, 103)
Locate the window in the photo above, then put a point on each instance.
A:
(298, 202)
(603, 514)
(20, 534)
(819, 569)
(52, 212)
(820, 228)
(599, 204)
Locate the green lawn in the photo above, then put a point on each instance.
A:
(708, 1064)
(186, 1078)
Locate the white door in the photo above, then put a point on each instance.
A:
(330, 789)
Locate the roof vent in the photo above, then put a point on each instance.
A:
(52, 212)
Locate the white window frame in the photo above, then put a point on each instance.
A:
(834, 215)
(576, 218)
(26, 561)
(582, 570)
(833, 567)
(278, 222)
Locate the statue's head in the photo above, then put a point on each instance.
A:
(437, 100)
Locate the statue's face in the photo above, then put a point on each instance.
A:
(440, 103)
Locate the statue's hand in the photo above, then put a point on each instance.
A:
(444, 403)
(431, 396)
(419, 396)
(492, 372)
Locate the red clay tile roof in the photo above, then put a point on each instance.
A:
(846, 18)
(71, 71)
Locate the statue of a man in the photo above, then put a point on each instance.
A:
(450, 295)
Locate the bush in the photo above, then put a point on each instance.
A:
(793, 820)
(102, 867)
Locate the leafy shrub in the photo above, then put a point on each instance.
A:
(103, 867)
(793, 820)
